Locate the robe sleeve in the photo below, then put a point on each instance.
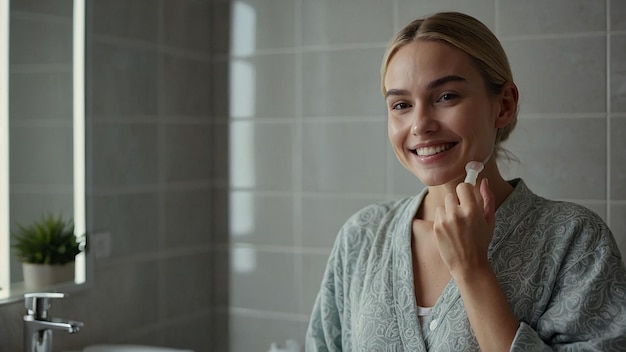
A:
(587, 311)
(324, 333)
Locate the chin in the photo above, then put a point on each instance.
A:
(431, 180)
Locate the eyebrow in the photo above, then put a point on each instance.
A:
(396, 92)
(430, 86)
(443, 80)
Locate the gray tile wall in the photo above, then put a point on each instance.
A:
(299, 120)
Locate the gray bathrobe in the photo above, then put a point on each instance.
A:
(557, 263)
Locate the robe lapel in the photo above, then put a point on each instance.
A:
(403, 289)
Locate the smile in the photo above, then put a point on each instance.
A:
(432, 150)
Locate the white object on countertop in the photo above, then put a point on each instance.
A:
(290, 346)
(130, 348)
(274, 348)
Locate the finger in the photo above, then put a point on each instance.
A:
(466, 194)
(451, 202)
(480, 201)
(440, 214)
(439, 222)
(489, 200)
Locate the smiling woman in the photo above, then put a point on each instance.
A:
(474, 261)
(44, 150)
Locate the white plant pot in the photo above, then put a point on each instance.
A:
(40, 276)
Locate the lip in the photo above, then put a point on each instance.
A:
(433, 144)
(432, 158)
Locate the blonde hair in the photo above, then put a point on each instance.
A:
(470, 36)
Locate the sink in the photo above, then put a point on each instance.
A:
(130, 348)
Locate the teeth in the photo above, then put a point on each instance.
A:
(428, 151)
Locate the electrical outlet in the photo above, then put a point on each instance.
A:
(101, 244)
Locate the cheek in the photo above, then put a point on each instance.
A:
(476, 122)
(480, 133)
(394, 131)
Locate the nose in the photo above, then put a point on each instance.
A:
(423, 122)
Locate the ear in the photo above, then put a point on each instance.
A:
(507, 103)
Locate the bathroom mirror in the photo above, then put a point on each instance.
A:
(42, 116)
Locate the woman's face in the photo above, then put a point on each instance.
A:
(440, 114)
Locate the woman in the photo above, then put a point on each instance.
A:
(491, 267)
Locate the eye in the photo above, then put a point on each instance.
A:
(399, 106)
(447, 97)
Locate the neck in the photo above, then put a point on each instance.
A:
(436, 194)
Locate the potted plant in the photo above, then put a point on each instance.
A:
(47, 249)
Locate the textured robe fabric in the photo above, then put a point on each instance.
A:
(557, 263)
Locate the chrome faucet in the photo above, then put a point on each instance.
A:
(38, 326)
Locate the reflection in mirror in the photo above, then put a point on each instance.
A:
(4, 151)
(46, 149)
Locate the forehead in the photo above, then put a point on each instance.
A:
(422, 61)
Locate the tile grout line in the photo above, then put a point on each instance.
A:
(496, 18)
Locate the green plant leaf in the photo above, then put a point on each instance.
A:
(50, 240)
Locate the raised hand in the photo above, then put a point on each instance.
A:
(464, 227)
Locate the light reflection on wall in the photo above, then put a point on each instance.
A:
(243, 259)
(242, 89)
(243, 32)
(5, 280)
(78, 74)
(241, 203)
(242, 82)
(241, 139)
